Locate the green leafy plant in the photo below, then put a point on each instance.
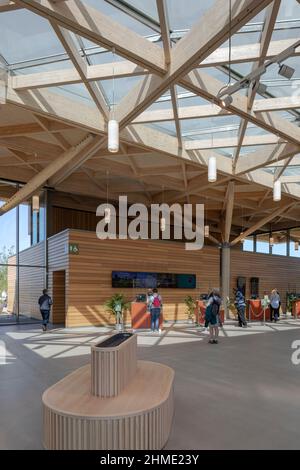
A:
(190, 307)
(116, 305)
(289, 303)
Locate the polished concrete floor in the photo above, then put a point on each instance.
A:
(240, 394)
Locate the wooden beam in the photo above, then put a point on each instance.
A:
(89, 144)
(208, 87)
(229, 210)
(261, 222)
(93, 25)
(265, 38)
(227, 142)
(164, 28)
(80, 65)
(264, 157)
(203, 38)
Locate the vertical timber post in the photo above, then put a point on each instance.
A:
(225, 275)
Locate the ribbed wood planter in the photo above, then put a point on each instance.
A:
(112, 368)
(140, 417)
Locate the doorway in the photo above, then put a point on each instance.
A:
(59, 297)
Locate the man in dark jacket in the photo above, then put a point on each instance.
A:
(45, 303)
(240, 306)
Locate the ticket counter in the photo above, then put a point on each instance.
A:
(255, 311)
(140, 317)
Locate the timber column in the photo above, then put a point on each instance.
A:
(225, 275)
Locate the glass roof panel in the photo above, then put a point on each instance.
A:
(167, 127)
(75, 91)
(148, 7)
(183, 14)
(26, 36)
(121, 87)
(120, 17)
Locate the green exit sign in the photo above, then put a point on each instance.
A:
(73, 248)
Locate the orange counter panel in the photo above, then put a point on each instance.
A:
(255, 311)
(296, 308)
(140, 318)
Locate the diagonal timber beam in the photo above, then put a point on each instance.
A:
(125, 68)
(88, 145)
(268, 27)
(262, 222)
(208, 87)
(266, 156)
(81, 66)
(62, 109)
(100, 29)
(204, 37)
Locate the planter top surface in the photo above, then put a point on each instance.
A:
(114, 340)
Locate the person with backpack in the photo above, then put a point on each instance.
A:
(45, 303)
(274, 305)
(155, 305)
(212, 315)
(240, 306)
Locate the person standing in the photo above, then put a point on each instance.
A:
(45, 303)
(155, 306)
(212, 315)
(240, 306)
(274, 305)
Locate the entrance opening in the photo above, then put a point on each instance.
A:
(59, 298)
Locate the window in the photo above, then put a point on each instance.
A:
(262, 243)
(295, 243)
(280, 243)
(248, 244)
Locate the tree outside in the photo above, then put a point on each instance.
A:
(5, 253)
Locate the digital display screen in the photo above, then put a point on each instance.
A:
(150, 280)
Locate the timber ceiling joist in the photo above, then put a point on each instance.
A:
(168, 104)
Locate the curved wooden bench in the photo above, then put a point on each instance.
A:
(140, 417)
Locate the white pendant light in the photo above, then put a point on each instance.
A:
(271, 241)
(212, 169)
(113, 125)
(107, 215)
(206, 231)
(243, 238)
(113, 136)
(296, 246)
(277, 190)
(35, 203)
(162, 224)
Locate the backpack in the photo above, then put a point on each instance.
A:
(215, 307)
(156, 302)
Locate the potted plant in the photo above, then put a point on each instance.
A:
(190, 308)
(116, 305)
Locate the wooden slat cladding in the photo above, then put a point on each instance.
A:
(89, 283)
(63, 218)
(31, 283)
(279, 272)
(112, 368)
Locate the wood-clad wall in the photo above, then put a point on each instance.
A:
(279, 272)
(32, 280)
(90, 274)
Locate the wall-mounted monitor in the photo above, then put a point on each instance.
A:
(150, 280)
